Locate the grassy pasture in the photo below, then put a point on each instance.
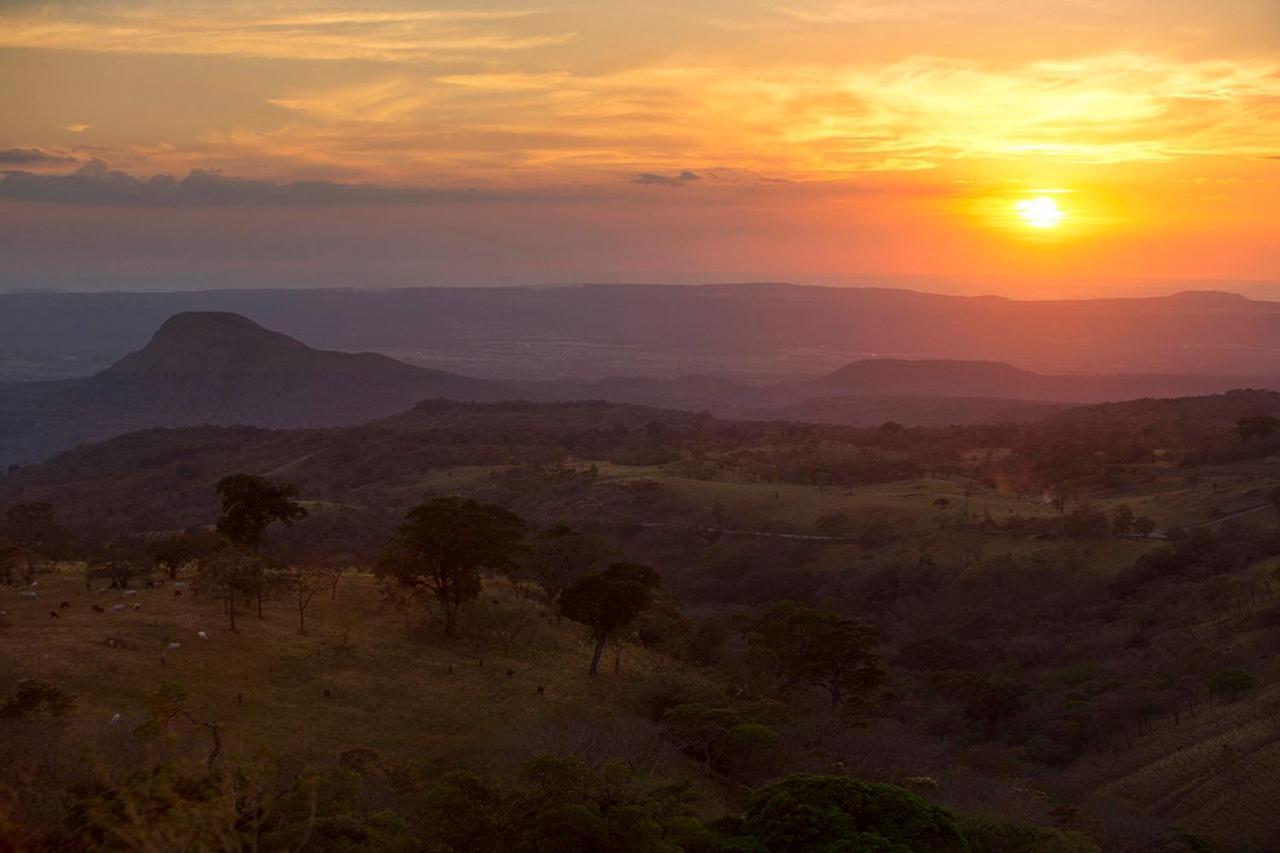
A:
(388, 692)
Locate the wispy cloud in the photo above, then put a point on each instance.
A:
(276, 30)
(95, 183)
(677, 180)
(33, 157)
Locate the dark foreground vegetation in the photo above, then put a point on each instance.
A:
(515, 627)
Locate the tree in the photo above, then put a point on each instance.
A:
(608, 601)
(835, 524)
(559, 556)
(174, 552)
(804, 645)
(444, 545)
(229, 574)
(251, 504)
(1257, 427)
(1122, 520)
(809, 814)
(722, 739)
(120, 560)
(304, 580)
(167, 703)
(31, 529)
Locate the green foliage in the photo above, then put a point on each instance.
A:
(231, 574)
(807, 646)
(559, 556)
(174, 552)
(608, 601)
(32, 695)
(1232, 682)
(993, 836)
(829, 814)
(558, 804)
(443, 546)
(251, 504)
(1256, 427)
(723, 739)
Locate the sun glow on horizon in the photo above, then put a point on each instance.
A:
(1039, 212)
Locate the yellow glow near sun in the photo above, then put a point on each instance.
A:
(1039, 212)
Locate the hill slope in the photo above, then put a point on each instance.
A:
(589, 332)
(219, 368)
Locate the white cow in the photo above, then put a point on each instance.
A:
(173, 647)
(130, 592)
(201, 635)
(26, 593)
(117, 607)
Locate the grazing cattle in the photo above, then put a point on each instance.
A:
(173, 647)
(177, 593)
(541, 690)
(137, 607)
(26, 593)
(130, 592)
(201, 635)
(115, 718)
(179, 584)
(117, 607)
(54, 614)
(510, 673)
(97, 608)
(64, 605)
(326, 693)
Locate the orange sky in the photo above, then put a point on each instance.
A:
(384, 143)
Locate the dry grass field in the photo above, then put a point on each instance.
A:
(425, 701)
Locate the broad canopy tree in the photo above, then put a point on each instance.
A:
(230, 574)
(32, 532)
(444, 545)
(559, 556)
(803, 645)
(609, 601)
(251, 504)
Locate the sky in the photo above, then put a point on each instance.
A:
(1030, 147)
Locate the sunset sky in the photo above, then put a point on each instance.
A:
(1024, 146)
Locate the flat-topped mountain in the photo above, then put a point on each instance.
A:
(746, 330)
(219, 368)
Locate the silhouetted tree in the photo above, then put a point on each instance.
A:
(251, 504)
(174, 552)
(608, 601)
(31, 529)
(1257, 426)
(818, 813)
(304, 580)
(803, 645)
(559, 556)
(444, 545)
(230, 574)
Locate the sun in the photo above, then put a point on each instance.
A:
(1039, 212)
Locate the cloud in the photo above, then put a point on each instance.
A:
(274, 30)
(78, 128)
(656, 180)
(32, 157)
(95, 183)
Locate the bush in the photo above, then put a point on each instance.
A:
(1231, 683)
